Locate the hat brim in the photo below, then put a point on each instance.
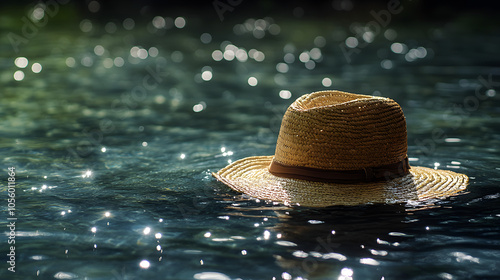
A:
(252, 177)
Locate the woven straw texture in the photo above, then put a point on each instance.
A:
(251, 176)
(340, 131)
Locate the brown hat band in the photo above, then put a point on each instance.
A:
(369, 174)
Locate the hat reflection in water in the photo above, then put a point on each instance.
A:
(339, 148)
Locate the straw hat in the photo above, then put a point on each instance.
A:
(339, 148)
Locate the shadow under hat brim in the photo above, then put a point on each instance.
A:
(251, 176)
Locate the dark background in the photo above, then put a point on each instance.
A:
(420, 9)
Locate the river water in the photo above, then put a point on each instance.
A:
(114, 125)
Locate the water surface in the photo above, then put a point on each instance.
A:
(115, 138)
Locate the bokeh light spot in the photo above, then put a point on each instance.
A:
(180, 22)
(158, 22)
(128, 24)
(36, 67)
(18, 75)
(21, 62)
(282, 67)
(206, 38)
(70, 62)
(86, 25)
(285, 94)
(326, 82)
(119, 62)
(351, 42)
(252, 81)
(94, 6)
(398, 48)
(206, 75)
(386, 64)
(153, 52)
(217, 55)
(99, 50)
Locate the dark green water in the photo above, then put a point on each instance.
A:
(114, 140)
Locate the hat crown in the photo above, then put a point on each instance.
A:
(342, 131)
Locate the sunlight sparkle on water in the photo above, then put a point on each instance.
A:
(346, 274)
(369, 261)
(144, 264)
(267, 234)
(146, 230)
(452, 140)
(210, 275)
(87, 174)
(198, 108)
